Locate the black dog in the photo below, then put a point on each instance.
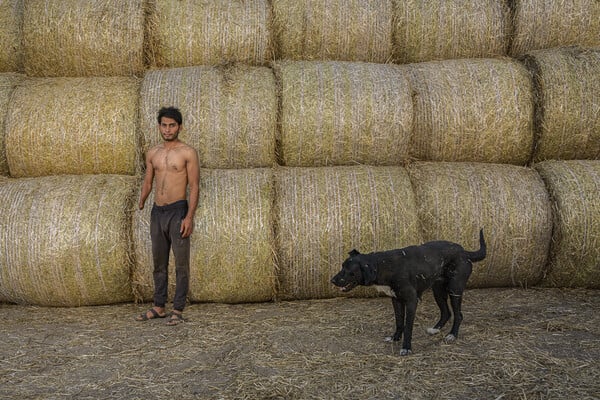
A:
(404, 274)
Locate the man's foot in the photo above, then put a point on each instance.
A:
(175, 319)
(151, 314)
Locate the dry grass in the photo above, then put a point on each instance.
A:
(65, 240)
(514, 344)
(477, 110)
(541, 24)
(229, 112)
(567, 95)
(434, 30)
(348, 30)
(232, 254)
(575, 252)
(192, 32)
(8, 81)
(83, 38)
(11, 52)
(343, 113)
(511, 203)
(321, 214)
(73, 126)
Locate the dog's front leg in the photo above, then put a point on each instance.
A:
(411, 311)
(399, 308)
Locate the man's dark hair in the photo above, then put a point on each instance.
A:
(170, 112)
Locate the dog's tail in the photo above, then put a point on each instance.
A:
(481, 253)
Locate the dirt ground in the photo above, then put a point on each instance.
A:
(514, 344)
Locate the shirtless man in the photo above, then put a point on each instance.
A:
(173, 166)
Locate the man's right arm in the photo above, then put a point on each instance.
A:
(148, 179)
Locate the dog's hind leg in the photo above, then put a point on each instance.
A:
(456, 303)
(441, 298)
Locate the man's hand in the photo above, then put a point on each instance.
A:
(187, 227)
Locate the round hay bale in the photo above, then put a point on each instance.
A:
(542, 24)
(11, 52)
(232, 256)
(478, 110)
(567, 95)
(574, 188)
(8, 81)
(73, 126)
(200, 32)
(65, 240)
(343, 30)
(83, 38)
(341, 113)
(441, 29)
(229, 112)
(321, 214)
(455, 200)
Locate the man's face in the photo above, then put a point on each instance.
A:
(169, 129)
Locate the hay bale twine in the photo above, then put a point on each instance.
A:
(192, 32)
(11, 52)
(542, 24)
(73, 126)
(232, 256)
(323, 213)
(83, 38)
(574, 188)
(8, 81)
(229, 112)
(567, 88)
(343, 30)
(455, 200)
(341, 113)
(478, 110)
(441, 29)
(65, 240)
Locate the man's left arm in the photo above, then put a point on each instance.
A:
(193, 177)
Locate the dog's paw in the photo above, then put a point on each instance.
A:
(433, 331)
(450, 338)
(388, 339)
(405, 352)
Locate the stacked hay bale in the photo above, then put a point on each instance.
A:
(10, 36)
(341, 113)
(64, 240)
(575, 253)
(472, 110)
(541, 24)
(435, 30)
(83, 38)
(350, 30)
(8, 81)
(190, 32)
(567, 88)
(231, 247)
(230, 112)
(322, 213)
(511, 204)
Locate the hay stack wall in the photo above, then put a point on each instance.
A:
(323, 213)
(510, 203)
(575, 253)
(230, 112)
(343, 30)
(11, 54)
(342, 113)
(65, 240)
(472, 110)
(442, 29)
(567, 88)
(232, 256)
(8, 81)
(72, 126)
(83, 38)
(542, 24)
(190, 32)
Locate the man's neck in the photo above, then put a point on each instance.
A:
(171, 143)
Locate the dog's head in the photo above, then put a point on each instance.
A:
(355, 271)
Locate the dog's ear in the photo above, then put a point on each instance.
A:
(369, 273)
(353, 253)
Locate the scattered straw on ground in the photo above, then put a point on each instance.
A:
(514, 344)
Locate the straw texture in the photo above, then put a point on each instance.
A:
(8, 81)
(11, 51)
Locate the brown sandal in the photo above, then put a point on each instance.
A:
(175, 319)
(154, 314)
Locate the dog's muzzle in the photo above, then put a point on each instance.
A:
(343, 284)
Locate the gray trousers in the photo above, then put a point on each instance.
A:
(165, 223)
